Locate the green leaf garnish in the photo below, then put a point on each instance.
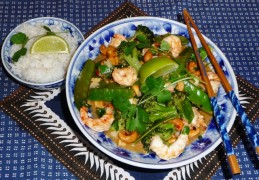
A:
(49, 32)
(19, 38)
(19, 53)
(135, 116)
(164, 96)
(137, 122)
(47, 28)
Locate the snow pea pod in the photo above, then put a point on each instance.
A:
(198, 97)
(108, 94)
(83, 83)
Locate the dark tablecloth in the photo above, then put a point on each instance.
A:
(231, 24)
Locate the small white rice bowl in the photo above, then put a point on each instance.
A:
(41, 71)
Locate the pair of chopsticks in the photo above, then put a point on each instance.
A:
(216, 109)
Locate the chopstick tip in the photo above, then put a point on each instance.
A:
(257, 150)
(234, 164)
(185, 11)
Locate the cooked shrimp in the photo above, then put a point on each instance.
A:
(175, 45)
(198, 119)
(125, 76)
(117, 39)
(178, 123)
(193, 68)
(100, 124)
(167, 152)
(214, 81)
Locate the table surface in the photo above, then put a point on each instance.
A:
(230, 24)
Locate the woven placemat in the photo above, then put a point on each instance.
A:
(16, 106)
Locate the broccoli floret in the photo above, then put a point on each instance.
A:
(127, 51)
(130, 51)
(144, 36)
(157, 111)
(159, 115)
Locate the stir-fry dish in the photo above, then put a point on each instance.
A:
(145, 93)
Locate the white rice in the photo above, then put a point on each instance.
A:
(42, 68)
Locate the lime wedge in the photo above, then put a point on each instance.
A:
(50, 44)
(157, 67)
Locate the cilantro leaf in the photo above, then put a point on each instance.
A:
(138, 122)
(151, 88)
(121, 103)
(164, 96)
(19, 53)
(183, 106)
(155, 84)
(135, 116)
(19, 38)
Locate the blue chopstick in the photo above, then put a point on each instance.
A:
(222, 128)
(253, 136)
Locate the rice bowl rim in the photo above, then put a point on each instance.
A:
(7, 39)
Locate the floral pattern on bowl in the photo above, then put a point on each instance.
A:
(90, 49)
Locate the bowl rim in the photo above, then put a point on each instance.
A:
(132, 162)
(29, 83)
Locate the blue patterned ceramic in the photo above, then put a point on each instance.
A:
(90, 49)
(48, 21)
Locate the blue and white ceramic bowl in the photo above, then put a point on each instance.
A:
(64, 25)
(90, 49)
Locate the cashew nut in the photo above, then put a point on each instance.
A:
(128, 137)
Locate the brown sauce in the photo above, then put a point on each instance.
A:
(207, 119)
(138, 147)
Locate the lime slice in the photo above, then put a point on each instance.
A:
(157, 67)
(50, 44)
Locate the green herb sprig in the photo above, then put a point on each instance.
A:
(49, 32)
(22, 39)
(19, 38)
